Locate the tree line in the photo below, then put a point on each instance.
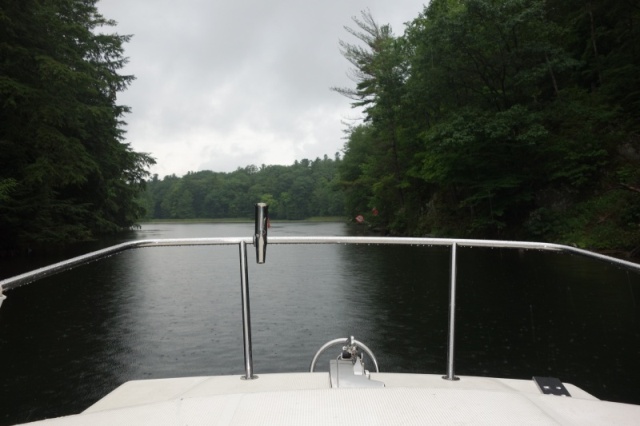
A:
(299, 191)
(501, 119)
(66, 173)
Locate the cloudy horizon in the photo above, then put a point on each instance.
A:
(222, 85)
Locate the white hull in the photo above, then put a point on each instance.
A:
(308, 399)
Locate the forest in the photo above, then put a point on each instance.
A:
(300, 191)
(66, 172)
(507, 119)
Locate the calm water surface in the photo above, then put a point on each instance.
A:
(68, 340)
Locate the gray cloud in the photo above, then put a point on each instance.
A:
(225, 84)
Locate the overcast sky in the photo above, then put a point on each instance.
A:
(222, 84)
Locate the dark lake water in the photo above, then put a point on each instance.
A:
(68, 340)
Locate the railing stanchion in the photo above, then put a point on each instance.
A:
(246, 313)
(452, 316)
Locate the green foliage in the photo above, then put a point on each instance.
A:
(302, 190)
(6, 187)
(499, 118)
(65, 173)
(608, 221)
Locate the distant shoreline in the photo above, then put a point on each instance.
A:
(245, 220)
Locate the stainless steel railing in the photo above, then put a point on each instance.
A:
(26, 278)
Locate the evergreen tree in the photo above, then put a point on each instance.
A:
(65, 172)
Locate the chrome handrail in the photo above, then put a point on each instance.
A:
(37, 274)
(28, 277)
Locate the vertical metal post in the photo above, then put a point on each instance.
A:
(246, 313)
(452, 316)
(260, 234)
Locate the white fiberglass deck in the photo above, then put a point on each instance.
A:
(307, 399)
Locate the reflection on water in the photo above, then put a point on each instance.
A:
(165, 312)
(543, 313)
